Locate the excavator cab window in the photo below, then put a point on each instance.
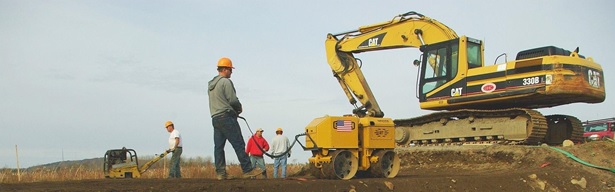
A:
(474, 56)
(439, 65)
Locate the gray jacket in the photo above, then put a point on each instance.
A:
(222, 97)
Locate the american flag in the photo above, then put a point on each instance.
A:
(343, 125)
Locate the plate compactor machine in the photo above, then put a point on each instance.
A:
(123, 163)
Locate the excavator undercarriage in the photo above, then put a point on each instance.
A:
(506, 126)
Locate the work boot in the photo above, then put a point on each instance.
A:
(253, 173)
(224, 177)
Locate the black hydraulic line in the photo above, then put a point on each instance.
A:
(285, 152)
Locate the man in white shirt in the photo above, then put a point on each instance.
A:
(175, 146)
(279, 146)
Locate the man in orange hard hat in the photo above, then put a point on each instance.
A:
(280, 149)
(224, 107)
(175, 146)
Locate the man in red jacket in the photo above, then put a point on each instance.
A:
(256, 146)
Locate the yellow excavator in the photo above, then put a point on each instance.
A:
(124, 163)
(476, 102)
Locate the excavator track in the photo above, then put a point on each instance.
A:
(468, 126)
(577, 130)
(562, 127)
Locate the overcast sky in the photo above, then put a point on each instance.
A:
(80, 77)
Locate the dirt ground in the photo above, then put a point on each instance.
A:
(450, 168)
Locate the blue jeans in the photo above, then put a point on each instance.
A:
(279, 162)
(174, 171)
(260, 162)
(226, 127)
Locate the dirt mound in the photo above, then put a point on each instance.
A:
(478, 157)
(598, 153)
(541, 167)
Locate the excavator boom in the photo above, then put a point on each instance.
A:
(406, 30)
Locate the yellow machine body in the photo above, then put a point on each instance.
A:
(476, 102)
(357, 139)
(124, 170)
(124, 163)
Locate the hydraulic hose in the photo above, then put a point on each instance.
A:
(263, 150)
(581, 161)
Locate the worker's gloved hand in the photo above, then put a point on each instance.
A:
(288, 154)
(169, 150)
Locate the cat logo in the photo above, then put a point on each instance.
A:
(455, 92)
(593, 78)
(373, 42)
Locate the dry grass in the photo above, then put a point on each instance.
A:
(50, 174)
(190, 168)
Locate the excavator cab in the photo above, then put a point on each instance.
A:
(444, 63)
(453, 76)
(471, 96)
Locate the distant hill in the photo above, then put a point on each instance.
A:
(90, 164)
(96, 164)
(93, 164)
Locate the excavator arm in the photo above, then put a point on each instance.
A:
(406, 30)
